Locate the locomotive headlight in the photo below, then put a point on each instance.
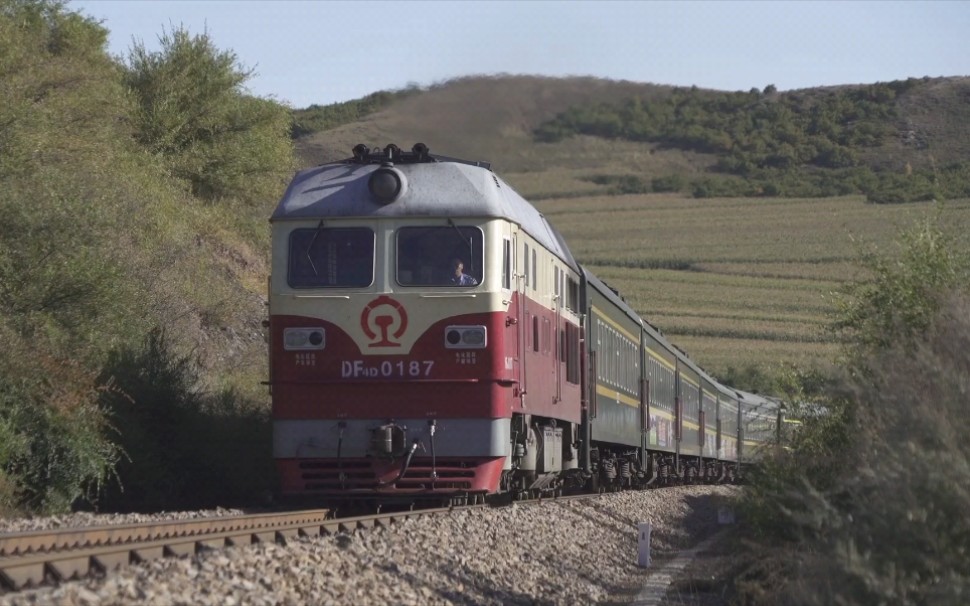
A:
(387, 184)
(474, 337)
(465, 337)
(304, 338)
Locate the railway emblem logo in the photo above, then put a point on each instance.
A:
(388, 313)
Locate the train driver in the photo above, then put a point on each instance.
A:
(458, 276)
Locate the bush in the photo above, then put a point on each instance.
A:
(61, 137)
(317, 118)
(630, 184)
(187, 448)
(621, 184)
(669, 183)
(192, 111)
(904, 292)
(906, 514)
(717, 187)
(98, 242)
(868, 506)
(54, 449)
(768, 138)
(887, 196)
(889, 525)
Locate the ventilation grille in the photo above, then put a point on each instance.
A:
(452, 474)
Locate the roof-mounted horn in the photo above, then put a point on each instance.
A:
(392, 153)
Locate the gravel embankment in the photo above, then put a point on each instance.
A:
(575, 552)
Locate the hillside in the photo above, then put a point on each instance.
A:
(493, 118)
(133, 249)
(899, 141)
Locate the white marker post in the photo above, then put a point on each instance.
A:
(643, 554)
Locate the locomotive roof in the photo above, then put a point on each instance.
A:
(436, 187)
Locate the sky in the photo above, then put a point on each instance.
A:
(322, 52)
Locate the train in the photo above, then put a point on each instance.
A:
(431, 336)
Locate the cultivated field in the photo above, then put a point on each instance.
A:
(736, 282)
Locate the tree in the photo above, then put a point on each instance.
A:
(59, 138)
(904, 293)
(192, 110)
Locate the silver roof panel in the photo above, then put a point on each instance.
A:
(439, 189)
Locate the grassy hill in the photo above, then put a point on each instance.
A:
(738, 282)
(493, 119)
(912, 134)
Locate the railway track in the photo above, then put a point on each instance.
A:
(563, 550)
(31, 559)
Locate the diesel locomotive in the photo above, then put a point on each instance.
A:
(432, 336)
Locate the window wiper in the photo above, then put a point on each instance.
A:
(471, 248)
(310, 245)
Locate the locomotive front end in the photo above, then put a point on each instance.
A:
(390, 355)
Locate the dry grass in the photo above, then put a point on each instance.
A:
(492, 118)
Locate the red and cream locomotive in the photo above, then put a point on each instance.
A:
(427, 339)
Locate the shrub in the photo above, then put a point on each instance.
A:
(317, 118)
(868, 506)
(54, 449)
(621, 184)
(889, 526)
(668, 183)
(765, 137)
(715, 187)
(97, 244)
(192, 111)
(186, 447)
(906, 506)
(630, 184)
(904, 292)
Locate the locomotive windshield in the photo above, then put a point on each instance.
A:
(439, 256)
(331, 257)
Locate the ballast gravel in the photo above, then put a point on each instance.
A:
(556, 552)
